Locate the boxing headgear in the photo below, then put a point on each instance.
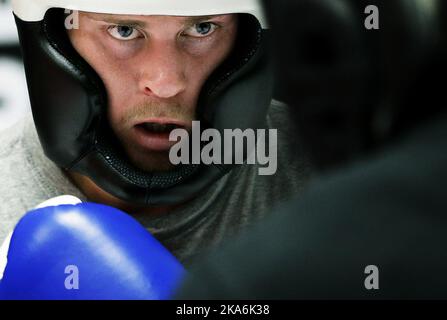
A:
(354, 87)
(69, 101)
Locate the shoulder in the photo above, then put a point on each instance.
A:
(12, 149)
(291, 153)
(10, 139)
(285, 158)
(279, 114)
(13, 171)
(28, 176)
(281, 117)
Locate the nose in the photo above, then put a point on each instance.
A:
(162, 71)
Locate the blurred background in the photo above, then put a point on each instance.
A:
(14, 102)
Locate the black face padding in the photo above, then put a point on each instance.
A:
(355, 89)
(69, 105)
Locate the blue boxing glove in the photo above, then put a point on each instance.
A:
(85, 251)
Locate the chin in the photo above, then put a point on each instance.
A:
(152, 161)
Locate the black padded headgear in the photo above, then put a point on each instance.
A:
(69, 105)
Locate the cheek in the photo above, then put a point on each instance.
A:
(110, 65)
(118, 83)
(203, 61)
(112, 68)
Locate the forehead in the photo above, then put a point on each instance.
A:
(32, 11)
(154, 19)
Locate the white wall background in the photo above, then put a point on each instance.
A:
(14, 102)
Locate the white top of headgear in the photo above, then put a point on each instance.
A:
(34, 10)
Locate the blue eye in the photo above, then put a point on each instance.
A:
(202, 29)
(124, 32)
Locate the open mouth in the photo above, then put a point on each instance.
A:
(154, 135)
(153, 127)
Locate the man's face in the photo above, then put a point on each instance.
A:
(153, 68)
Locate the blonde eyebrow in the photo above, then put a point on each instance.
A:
(195, 20)
(116, 19)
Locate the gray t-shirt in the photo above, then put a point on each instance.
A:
(233, 203)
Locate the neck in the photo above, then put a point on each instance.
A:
(95, 194)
